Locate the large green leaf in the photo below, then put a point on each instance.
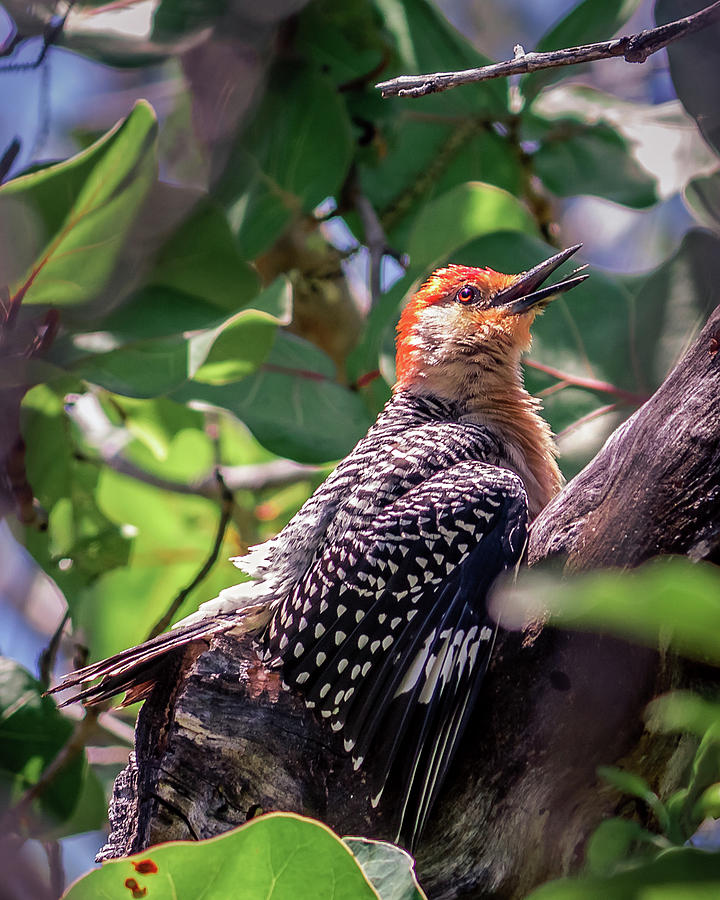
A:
(589, 21)
(667, 599)
(575, 158)
(68, 222)
(694, 65)
(462, 214)
(294, 154)
(231, 349)
(673, 302)
(703, 196)
(275, 857)
(32, 732)
(200, 260)
(292, 404)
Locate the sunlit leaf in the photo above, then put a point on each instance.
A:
(292, 404)
(611, 843)
(279, 856)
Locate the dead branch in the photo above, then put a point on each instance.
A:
(633, 48)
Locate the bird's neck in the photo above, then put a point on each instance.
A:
(497, 399)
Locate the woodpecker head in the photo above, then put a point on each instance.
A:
(471, 325)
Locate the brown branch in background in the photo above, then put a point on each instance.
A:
(375, 238)
(276, 473)
(592, 384)
(634, 48)
(53, 852)
(583, 420)
(226, 509)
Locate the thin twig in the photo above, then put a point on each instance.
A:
(592, 384)
(49, 654)
(375, 239)
(588, 417)
(634, 48)
(14, 818)
(226, 509)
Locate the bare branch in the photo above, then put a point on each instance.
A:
(226, 510)
(592, 384)
(633, 48)
(276, 473)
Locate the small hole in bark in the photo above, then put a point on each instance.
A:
(253, 811)
(559, 680)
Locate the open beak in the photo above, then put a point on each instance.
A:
(525, 292)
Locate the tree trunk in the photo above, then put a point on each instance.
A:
(219, 741)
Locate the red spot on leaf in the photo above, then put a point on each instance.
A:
(146, 867)
(133, 886)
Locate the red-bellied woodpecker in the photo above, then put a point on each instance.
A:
(373, 598)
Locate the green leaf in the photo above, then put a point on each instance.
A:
(462, 214)
(576, 158)
(198, 276)
(708, 803)
(230, 350)
(240, 346)
(71, 219)
(292, 404)
(175, 18)
(673, 302)
(669, 599)
(279, 856)
(676, 874)
(693, 67)
(635, 786)
(682, 711)
(703, 196)
(586, 23)
(294, 154)
(32, 732)
(80, 543)
(423, 159)
(389, 868)
(612, 842)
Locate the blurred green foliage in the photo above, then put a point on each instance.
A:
(224, 327)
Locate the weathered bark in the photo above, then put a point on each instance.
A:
(221, 741)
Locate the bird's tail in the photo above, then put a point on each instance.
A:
(134, 670)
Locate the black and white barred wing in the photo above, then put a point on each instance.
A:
(388, 634)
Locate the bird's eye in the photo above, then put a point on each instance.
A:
(467, 294)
